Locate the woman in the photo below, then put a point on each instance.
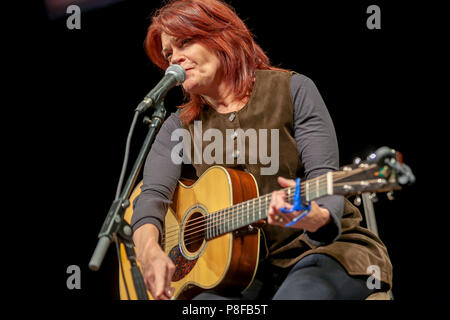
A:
(230, 84)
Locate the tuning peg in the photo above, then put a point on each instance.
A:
(373, 197)
(357, 201)
(357, 160)
(390, 195)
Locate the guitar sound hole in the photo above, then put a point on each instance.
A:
(194, 232)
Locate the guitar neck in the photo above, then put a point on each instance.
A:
(254, 210)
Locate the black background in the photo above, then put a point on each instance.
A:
(379, 86)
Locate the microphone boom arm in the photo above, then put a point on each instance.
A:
(115, 224)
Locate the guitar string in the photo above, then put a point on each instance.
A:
(358, 182)
(219, 217)
(323, 179)
(286, 189)
(215, 223)
(345, 174)
(189, 239)
(242, 213)
(338, 175)
(233, 219)
(197, 236)
(193, 235)
(193, 239)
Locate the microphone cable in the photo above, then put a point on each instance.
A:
(119, 191)
(126, 156)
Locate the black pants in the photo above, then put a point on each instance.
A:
(315, 277)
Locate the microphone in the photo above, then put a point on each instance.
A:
(174, 76)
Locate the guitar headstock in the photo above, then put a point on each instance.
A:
(382, 171)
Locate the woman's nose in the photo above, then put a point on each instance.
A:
(177, 58)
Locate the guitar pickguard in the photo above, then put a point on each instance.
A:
(182, 265)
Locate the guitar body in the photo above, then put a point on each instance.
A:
(228, 261)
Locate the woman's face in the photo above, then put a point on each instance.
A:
(201, 64)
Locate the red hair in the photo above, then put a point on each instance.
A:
(215, 25)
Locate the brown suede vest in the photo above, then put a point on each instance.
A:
(270, 107)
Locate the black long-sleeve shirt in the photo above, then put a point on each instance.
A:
(316, 143)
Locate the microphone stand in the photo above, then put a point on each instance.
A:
(371, 220)
(115, 227)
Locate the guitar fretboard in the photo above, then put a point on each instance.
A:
(254, 210)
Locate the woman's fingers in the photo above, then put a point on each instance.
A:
(286, 182)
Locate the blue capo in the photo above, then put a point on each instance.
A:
(297, 205)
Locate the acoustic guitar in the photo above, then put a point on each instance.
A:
(212, 227)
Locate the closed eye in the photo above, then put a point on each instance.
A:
(180, 44)
(185, 41)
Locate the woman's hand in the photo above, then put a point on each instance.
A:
(157, 268)
(313, 221)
